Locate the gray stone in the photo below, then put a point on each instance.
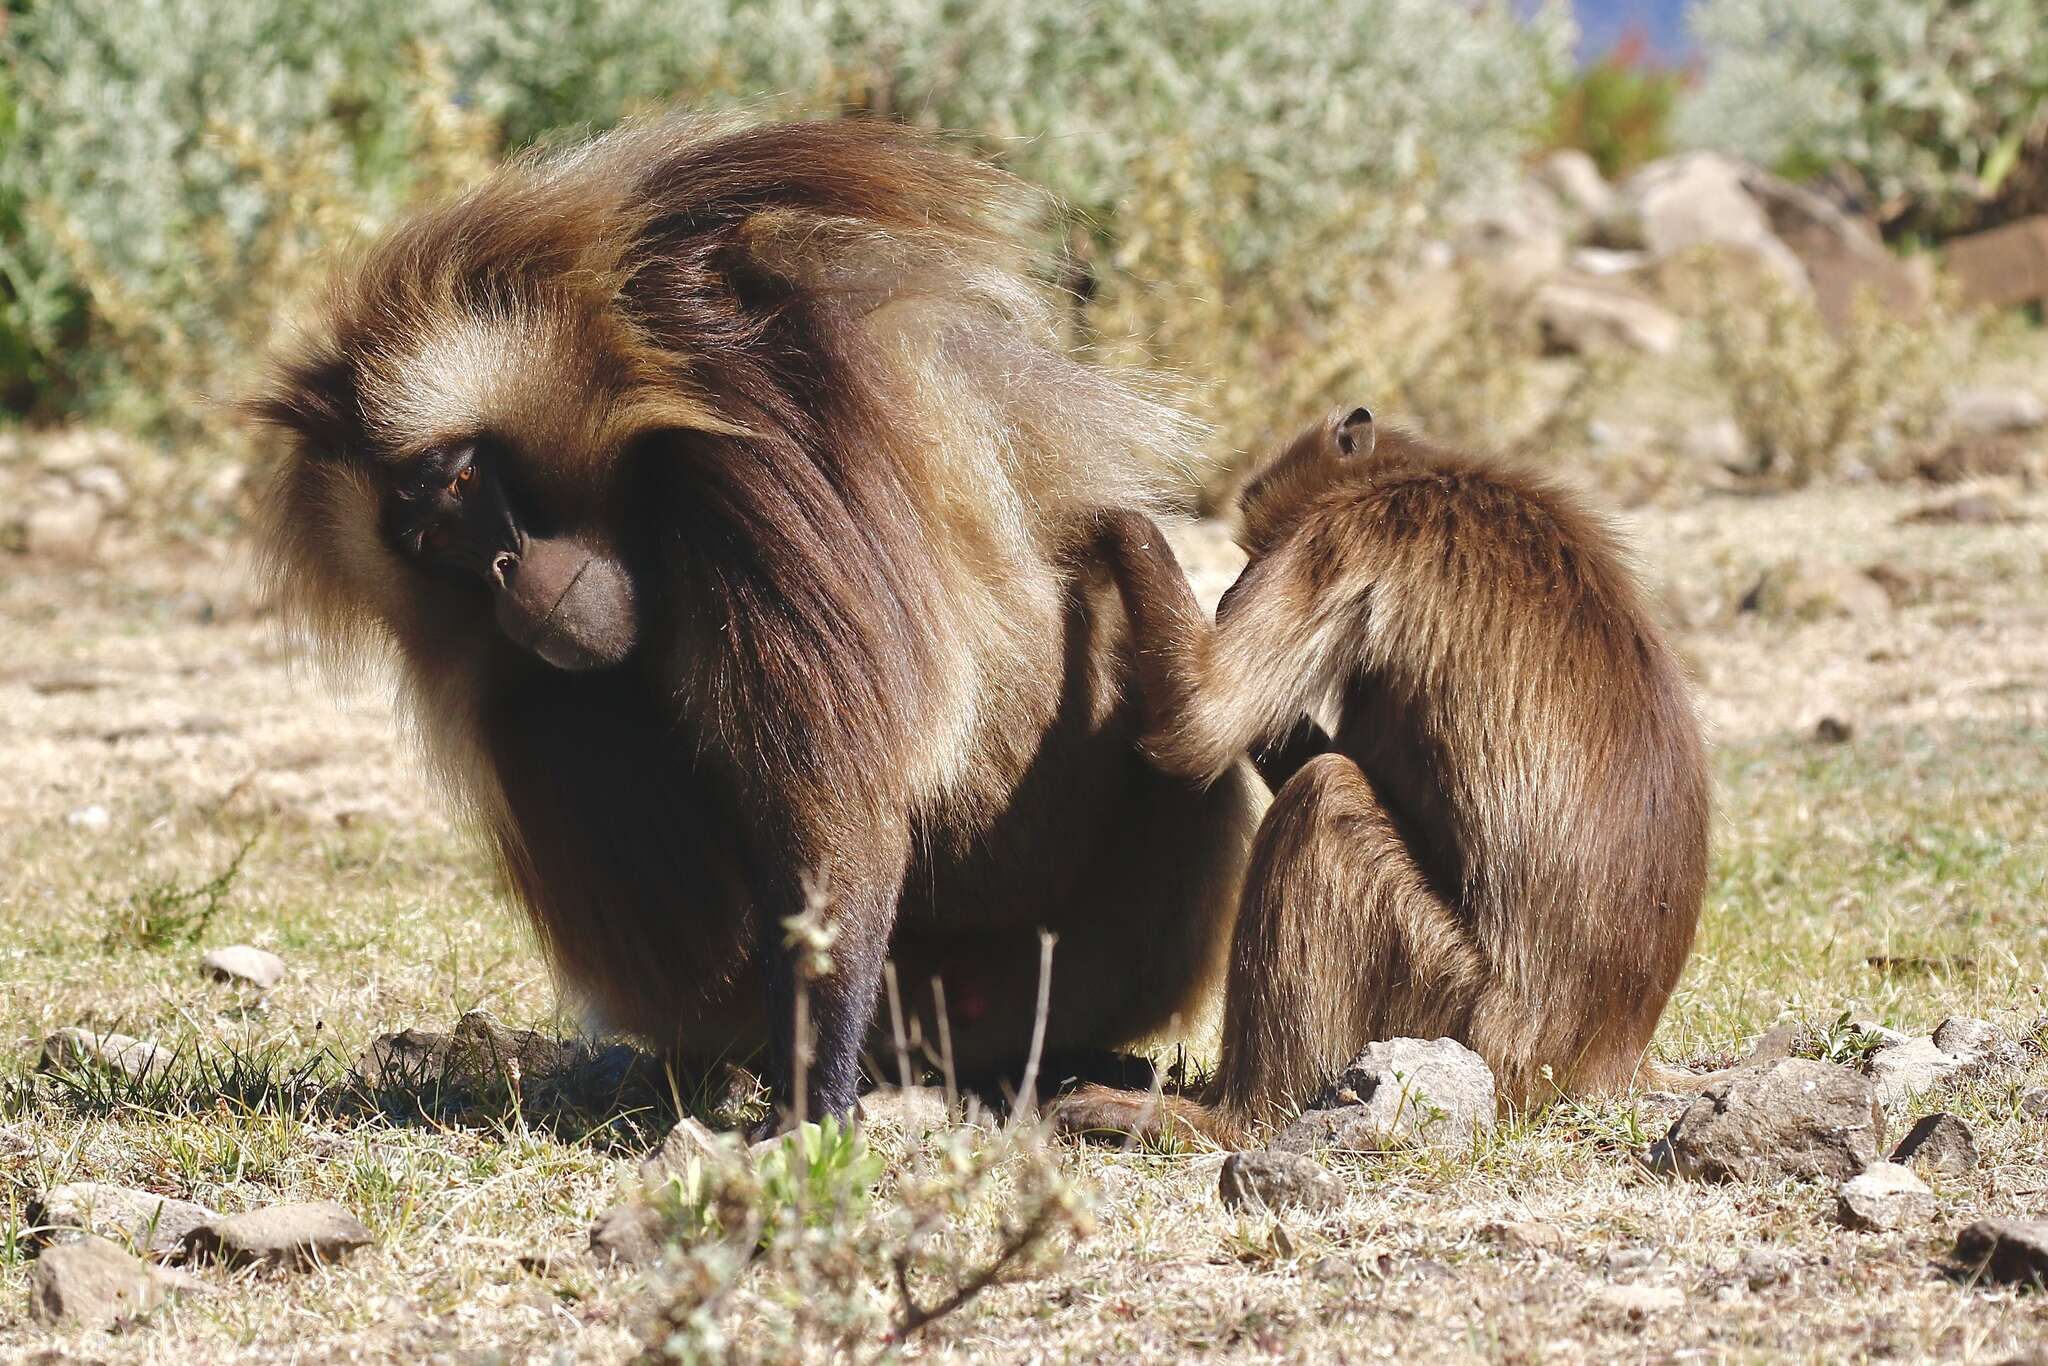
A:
(1599, 262)
(689, 1141)
(1794, 1117)
(1574, 178)
(1699, 199)
(1904, 1070)
(1970, 509)
(1763, 1267)
(64, 528)
(1938, 1143)
(1797, 590)
(1718, 442)
(1400, 1092)
(2005, 1250)
(1882, 1197)
(1515, 240)
(2034, 1103)
(1581, 319)
(74, 1049)
(912, 1111)
(296, 1236)
(1639, 1301)
(93, 817)
(480, 1056)
(149, 1222)
(103, 482)
(1841, 253)
(1277, 1181)
(1990, 412)
(1527, 1235)
(1979, 1044)
(91, 1284)
(628, 1234)
(259, 968)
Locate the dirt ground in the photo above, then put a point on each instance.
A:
(152, 720)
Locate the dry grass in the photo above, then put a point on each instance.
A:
(156, 691)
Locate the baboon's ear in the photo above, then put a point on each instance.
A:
(1353, 431)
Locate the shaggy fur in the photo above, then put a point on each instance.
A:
(798, 379)
(1507, 841)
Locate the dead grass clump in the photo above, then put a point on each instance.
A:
(1810, 399)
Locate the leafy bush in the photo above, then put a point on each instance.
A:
(1935, 103)
(180, 165)
(1618, 110)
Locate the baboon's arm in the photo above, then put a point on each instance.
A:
(1209, 692)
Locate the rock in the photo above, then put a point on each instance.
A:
(1794, 1117)
(1719, 442)
(1882, 1197)
(2034, 1103)
(629, 1234)
(1796, 590)
(1938, 1143)
(1581, 319)
(149, 1222)
(1903, 1070)
(1600, 262)
(1514, 241)
(1625, 1259)
(1527, 1235)
(64, 528)
(91, 1284)
(103, 482)
(1763, 1267)
(72, 1049)
(1972, 509)
(1699, 199)
(92, 817)
(1975, 457)
(481, 1055)
(1639, 1301)
(1841, 253)
(689, 1141)
(913, 1111)
(297, 1236)
(1833, 730)
(1435, 1093)
(1574, 178)
(2004, 1250)
(1991, 412)
(1656, 1110)
(1277, 1181)
(259, 968)
(1979, 1043)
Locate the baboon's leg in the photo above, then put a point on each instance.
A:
(1339, 941)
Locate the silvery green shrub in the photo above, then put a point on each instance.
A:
(161, 143)
(1933, 100)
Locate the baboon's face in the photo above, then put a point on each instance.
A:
(460, 512)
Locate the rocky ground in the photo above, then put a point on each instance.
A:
(1876, 682)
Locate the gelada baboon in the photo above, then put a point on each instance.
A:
(711, 485)
(1505, 841)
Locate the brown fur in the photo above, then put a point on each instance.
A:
(1506, 844)
(795, 381)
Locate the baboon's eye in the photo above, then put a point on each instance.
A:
(464, 477)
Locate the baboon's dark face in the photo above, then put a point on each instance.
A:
(459, 512)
